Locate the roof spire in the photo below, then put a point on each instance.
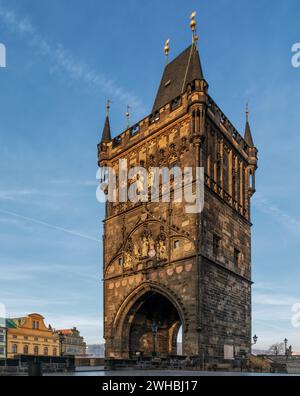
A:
(167, 50)
(106, 135)
(248, 134)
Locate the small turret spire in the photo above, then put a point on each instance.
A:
(248, 134)
(106, 135)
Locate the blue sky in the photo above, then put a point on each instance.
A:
(63, 60)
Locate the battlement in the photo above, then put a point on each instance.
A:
(167, 114)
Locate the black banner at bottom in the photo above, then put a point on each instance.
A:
(133, 385)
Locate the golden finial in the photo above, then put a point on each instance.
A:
(108, 103)
(128, 117)
(167, 49)
(193, 26)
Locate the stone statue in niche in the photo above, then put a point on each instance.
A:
(129, 256)
(161, 246)
(136, 251)
(152, 251)
(128, 261)
(151, 178)
(162, 250)
(145, 246)
(140, 180)
(148, 247)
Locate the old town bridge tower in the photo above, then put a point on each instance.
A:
(165, 269)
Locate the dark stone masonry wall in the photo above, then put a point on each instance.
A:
(226, 310)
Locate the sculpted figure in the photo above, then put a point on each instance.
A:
(128, 261)
(145, 247)
(140, 183)
(152, 251)
(136, 251)
(162, 250)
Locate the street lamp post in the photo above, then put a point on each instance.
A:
(154, 329)
(61, 341)
(285, 346)
(255, 339)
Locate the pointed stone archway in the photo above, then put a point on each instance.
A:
(149, 324)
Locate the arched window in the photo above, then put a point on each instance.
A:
(15, 349)
(176, 244)
(234, 179)
(35, 324)
(36, 350)
(251, 180)
(46, 351)
(194, 122)
(104, 172)
(26, 350)
(54, 352)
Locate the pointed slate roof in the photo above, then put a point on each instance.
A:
(177, 75)
(248, 135)
(106, 135)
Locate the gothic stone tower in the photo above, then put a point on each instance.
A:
(163, 268)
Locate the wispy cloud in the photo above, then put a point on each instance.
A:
(20, 194)
(266, 286)
(274, 299)
(261, 203)
(89, 326)
(80, 183)
(70, 321)
(13, 271)
(19, 306)
(63, 60)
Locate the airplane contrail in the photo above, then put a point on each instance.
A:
(54, 227)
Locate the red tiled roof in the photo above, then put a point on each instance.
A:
(67, 331)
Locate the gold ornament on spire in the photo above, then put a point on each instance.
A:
(247, 112)
(167, 49)
(108, 103)
(128, 117)
(193, 25)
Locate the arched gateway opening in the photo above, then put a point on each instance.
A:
(153, 323)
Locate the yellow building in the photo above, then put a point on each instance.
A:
(30, 336)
